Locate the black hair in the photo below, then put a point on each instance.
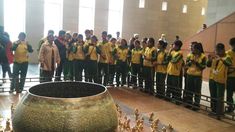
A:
(109, 36)
(50, 32)
(232, 41)
(124, 41)
(113, 39)
(200, 47)
(80, 36)
(22, 34)
(151, 41)
(104, 33)
(145, 40)
(137, 41)
(75, 33)
(94, 37)
(7, 35)
(178, 43)
(220, 46)
(87, 31)
(177, 37)
(61, 32)
(162, 43)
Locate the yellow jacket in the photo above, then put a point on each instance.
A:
(21, 49)
(149, 56)
(103, 57)
(136, 55)
(161, 62)
(195, 64)
(231, 69)
(175, 63)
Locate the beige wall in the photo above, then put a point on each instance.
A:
(148, 22)
(218, 9)
(1, 13)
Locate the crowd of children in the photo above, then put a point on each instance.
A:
(151, 67)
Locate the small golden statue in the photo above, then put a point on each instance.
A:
(134, 129)
(154, 125)
(164, 129)
(12, 109)
(151, 117)
(120, 125)
(127, 125)
(8, 126)
(136, 114)
(170, 128)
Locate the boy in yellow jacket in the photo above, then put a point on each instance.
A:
(231, 76)
(174, 68)
(218, 64)
(21, 49)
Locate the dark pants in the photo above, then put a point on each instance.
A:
(160, 83)
(47, 75)
(112, 71)
(92, 71)
(121, 71)
(19, 69)
(230, 91)
(86, 64)
(6, 69)
(59, 70)
(194, 86)
(148, 79)
(173, 87)
(135, 71)
(217, 96)
(78, 68)
(69, 70)
(103, 73)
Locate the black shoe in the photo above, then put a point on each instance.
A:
(229, 110)
(11, 91)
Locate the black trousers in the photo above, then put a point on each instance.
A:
(59, 70)
(47, 75)
(112, 71)
(160, 83)
(135, 71)
(193, 91)
(121, 71)
(173, 87)
(103, 73)
(92, 71)
(230, 91)
(78, 68)
(148, 79)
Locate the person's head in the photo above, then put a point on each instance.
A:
(68, 36)
(75, 35)
(123, 42)
(161, 45)
(62, 34)
(144, 42)
(94, 39)
(177, 45)
(200, 47)
(137, 44)
(50, 32)
(177, 37)
(232, 43)
(22, 36)
(80, 37)
(151, 42)
(50, 37)
(131, 41)
(118, 34)
(91, 32)
(204, 26)
(113, 41)
(192, 45)
(87, 33)
(220, 49)
(7, 35)
(196, 48)
(104, 35)
(109, 36)
(136, 36)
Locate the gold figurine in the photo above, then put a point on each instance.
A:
(151, 117)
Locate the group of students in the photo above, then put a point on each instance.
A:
(150, 65)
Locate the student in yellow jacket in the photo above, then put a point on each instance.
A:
(136, 60)
(196, 63)
(174, 68)
(231, 76)
(121, 53)
(79, 58)
(86, 43)
(112, 60)
(91, 55)
(103, 60)
(148, 69)
(21, 49)
(161, 68)
(218, 64)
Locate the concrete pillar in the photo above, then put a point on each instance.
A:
(101, 16)
(70, 15)
(1, 13)
(34, 25)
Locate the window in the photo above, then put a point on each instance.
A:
(53, 16)
(115, 17)
(14, 17)
(86, 15)
(185, 8)
(164, 6)
(141, 3)
(203, 11)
